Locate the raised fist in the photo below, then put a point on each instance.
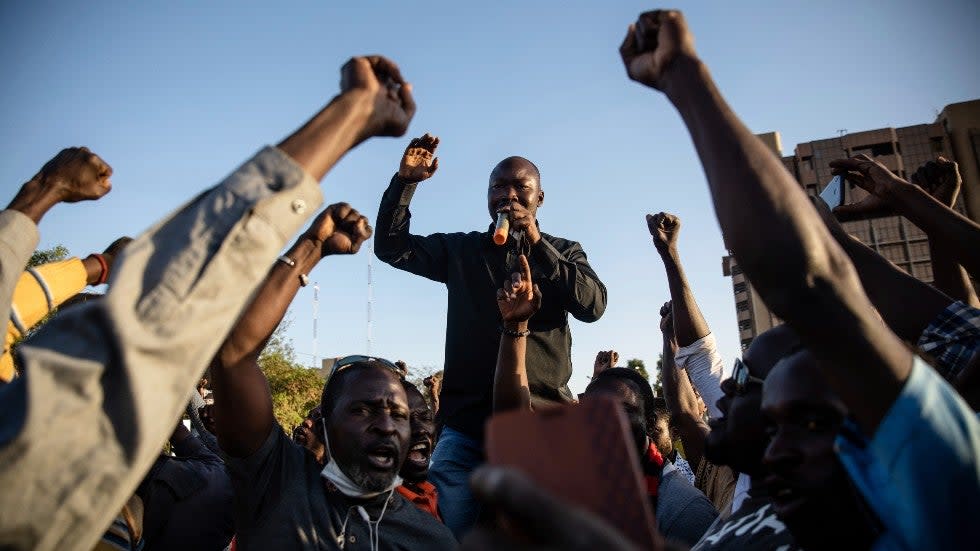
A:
(941, 179)
(667, 318)
(76, 174)
(419, 161)
(653, 43)
(519, 298)
(340, 229)
(664, 228)
(389, 96)
(604, 360)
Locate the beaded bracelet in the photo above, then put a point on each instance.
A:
(514, 333)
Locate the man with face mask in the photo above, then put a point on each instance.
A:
(284, 497)
(472, 266)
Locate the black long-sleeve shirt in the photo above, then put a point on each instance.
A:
(473, 268)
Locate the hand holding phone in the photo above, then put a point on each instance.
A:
(833, 194)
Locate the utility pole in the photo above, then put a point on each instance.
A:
(316, 303)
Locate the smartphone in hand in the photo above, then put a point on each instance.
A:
(833, 194)
(581, 453)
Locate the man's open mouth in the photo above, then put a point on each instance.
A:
(420, 452)
(383, 457)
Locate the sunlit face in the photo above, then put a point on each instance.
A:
(514, 180)
(369, 428)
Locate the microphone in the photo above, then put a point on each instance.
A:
(502, 229)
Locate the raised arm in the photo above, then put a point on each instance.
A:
(42, 289)
(374, 101)
(764, 214)
(242, 400)
(394, 244)
(943, 224)
(518, 300)
(941, 179)
(74, 174)
(695, 347)
(685, 412)
(906, 304)
(176, 290)
(689, 324)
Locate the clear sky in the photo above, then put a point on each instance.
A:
(176, 94)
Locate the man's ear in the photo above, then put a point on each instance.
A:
(540, 197)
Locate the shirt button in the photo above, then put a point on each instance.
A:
(352, 539)
(299, 206)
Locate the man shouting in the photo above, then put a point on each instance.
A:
(473, 267)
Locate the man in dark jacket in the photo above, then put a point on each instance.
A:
(473, 267)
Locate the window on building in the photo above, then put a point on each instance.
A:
(922, 271)
(895, 253)
(739, 287)
(807, 162)
(875, 150)
(886, 230)
(811, 189)
(736, 269)
(919, 250)
(744, 325)
(746, 343)
(936, 145)
(742, 306)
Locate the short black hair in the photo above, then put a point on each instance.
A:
(633, 378)
(335, 385)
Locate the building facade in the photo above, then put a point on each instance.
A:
(954, 135)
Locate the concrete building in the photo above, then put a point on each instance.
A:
(955, 135)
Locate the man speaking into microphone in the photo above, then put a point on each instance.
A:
(473, 267)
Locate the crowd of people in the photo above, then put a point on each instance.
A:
(851, 426)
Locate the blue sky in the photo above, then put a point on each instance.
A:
(176, 94)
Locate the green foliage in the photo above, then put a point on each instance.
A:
(295, 389)
(641, 368)
(638, 365)
(658, 385)
(44, 256)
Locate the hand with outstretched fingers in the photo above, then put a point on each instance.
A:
(419, 161)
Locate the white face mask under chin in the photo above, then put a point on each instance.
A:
(347, 487)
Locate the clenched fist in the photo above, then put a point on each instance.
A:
(340, 230)
(390, 97)
(664, 228)
(941, 179)
(653, 44)
(76, 174)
